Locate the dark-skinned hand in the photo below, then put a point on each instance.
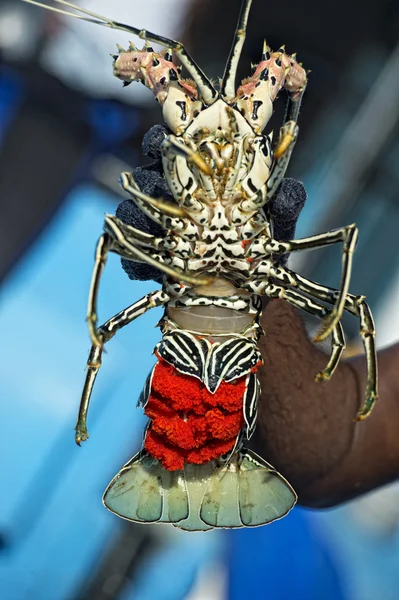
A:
(307, 431)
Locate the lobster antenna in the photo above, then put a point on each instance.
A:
(207, 90)
(96, 19)
(228, 90)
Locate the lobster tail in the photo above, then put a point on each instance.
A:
(201, 399)
(244, 492)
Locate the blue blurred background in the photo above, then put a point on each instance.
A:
(66, 131)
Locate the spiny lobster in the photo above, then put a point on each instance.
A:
(218, 257)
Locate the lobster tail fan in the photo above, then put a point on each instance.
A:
(245, 492)
(251, 494)
(227, 90)
(145, 492)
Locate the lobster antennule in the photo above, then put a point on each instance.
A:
(227, 90)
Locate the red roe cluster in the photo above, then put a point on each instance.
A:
(189, 424)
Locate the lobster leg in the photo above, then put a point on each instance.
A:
(105, 244)
(127, 249)
(137, 237)
(313, 308)
(116, 241)
(282, 155)
(103, 247)
(287, 139)
(165, 214)
(160, 208)
(357, 306)
(103, 334)
(347, 235)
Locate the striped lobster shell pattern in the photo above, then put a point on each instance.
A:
(196, 400)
